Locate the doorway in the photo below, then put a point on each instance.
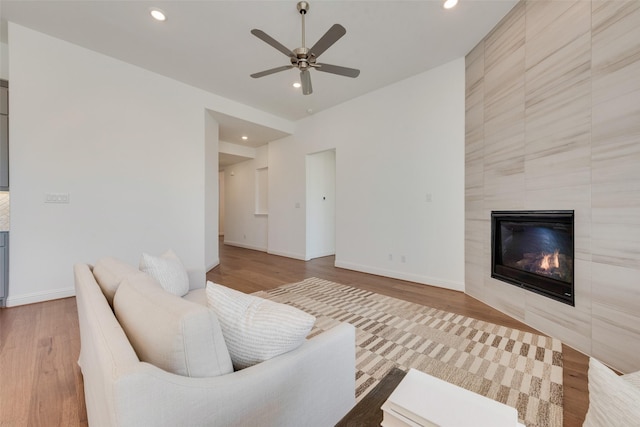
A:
(321, 204)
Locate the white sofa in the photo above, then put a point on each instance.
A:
(313, 385)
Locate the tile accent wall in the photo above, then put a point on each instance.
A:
(553, 122)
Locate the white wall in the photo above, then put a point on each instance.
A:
(221, 198)
(243, 227)
(395, 148)
(211, 196)
(4, 61)
(126, 144)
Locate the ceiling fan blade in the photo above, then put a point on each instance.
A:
(271, 71)
(329, 38)
(271, 41)
(336, 69)
(305, 80)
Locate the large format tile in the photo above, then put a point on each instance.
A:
(616, 337)
(554, 123)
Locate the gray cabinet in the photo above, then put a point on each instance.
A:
(4, 135)
(4, 267)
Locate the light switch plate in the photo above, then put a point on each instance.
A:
(56, 198)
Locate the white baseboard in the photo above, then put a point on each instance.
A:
(245, 246)
(432, 281)
(213, 265)
(34, 297)
(288, 255)
(321, 255)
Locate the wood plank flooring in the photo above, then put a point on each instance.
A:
(41, 384)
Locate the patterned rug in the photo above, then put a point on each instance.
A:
(520, 369)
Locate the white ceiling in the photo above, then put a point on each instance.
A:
(208, 44)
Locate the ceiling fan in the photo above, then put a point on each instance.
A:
(305, 58)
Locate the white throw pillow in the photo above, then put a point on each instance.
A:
(168, 270)
(256, 329)
(613, 402)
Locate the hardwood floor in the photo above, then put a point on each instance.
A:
(41, 384)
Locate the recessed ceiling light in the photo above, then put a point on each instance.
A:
(296, 85)
(448, 4)
(244, 137)
(158, 14)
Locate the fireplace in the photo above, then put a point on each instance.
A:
(534, 250)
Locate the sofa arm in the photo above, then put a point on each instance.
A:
(313, 385)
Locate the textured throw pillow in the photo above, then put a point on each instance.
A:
(256, 329)
(168, 270)
(613, 402)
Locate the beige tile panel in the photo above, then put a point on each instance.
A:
(474, 120)
(618, 83)
(474, 151)
(506, 38)
(583, 284)
(616, 244)
(615, 28)
(475, 168)
(474, 67)
(504, 142)
(541, 15)
(617, 287)
(616, 128)
(616, 337)
(553, 25)
(476, 54)
(613, 16)
(571, 168)
(559, 320)
(503, 202)
(505, 112)
(504, 297)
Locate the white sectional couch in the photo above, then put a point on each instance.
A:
(190, 381)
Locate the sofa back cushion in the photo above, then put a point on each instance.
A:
(169, 332)
(109, 273)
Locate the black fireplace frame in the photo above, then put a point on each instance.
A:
(547, 286)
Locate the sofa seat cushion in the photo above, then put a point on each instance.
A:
(613, 400)
(254, 328)
(169, 332)
(109, 273)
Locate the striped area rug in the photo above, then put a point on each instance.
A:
(520, 369)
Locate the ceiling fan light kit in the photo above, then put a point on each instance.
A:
(305, 58)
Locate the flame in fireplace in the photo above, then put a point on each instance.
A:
(550, 260)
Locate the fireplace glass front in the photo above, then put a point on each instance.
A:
(534, 250)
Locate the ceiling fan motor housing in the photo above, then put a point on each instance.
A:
(303, 7)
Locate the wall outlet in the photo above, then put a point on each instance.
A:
(390, 257)
(403, 259)
(56, 198)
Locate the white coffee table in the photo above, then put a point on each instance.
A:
(421, 400)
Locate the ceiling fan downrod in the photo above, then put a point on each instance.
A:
(302, 60)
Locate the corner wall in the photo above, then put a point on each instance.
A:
(136, 152)
(399, 180)
(553, 122)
